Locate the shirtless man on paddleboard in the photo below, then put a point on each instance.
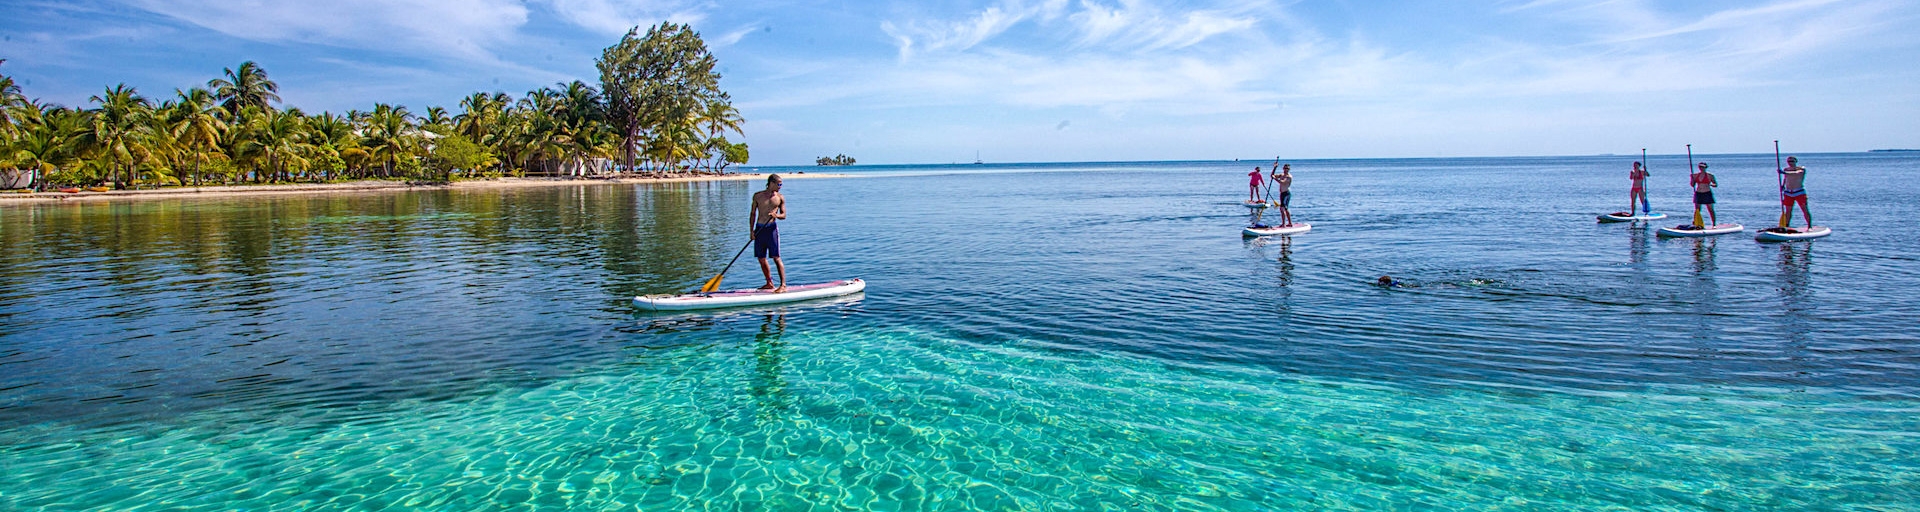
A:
(768, 208)
(1794, 190)
(1283, 183)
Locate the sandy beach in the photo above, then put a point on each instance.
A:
(225, 191)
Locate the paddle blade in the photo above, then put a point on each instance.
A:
(711, 284)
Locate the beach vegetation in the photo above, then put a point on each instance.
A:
(658, 108)
(840, 159)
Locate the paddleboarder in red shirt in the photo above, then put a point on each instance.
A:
(1253, 185)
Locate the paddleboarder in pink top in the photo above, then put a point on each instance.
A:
(1703, 183)
(1253, 185)
(1639, 190)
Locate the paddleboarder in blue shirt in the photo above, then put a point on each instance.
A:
(768, 208)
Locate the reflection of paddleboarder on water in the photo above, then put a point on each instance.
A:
(768, 208)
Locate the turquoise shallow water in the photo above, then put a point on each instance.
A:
(1048, 337)
(907, 420)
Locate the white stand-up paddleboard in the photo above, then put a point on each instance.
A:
(1254, 204)
(1289, 229)
(1721, 229)
(747, 297)
(1630, 217)
(1791, 234)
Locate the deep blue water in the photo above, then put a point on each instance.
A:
(1034, 336)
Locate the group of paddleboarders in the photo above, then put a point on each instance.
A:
(1793, 191)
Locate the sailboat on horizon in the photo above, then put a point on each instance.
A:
(976, 157)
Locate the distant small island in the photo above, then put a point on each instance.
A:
(840, 159)
(1893, 150)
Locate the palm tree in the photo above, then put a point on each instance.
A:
(389, 135)
(44, 140)
(198, 125)
(113, 133)
(720, 117)
(10, 100)
(437, 121)
(245, 87)
(480, 115)
(160, 151)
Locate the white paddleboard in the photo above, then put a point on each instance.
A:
(1276, 230)
(1255, 204)
(1791, 234)
(1630, 217)
(747, 297)
(1707, 231)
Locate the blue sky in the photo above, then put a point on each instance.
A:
(1076, 80)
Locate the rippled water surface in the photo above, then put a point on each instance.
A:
(1057, 336)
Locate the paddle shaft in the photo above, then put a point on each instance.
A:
(1780, 175)
(1690, 170)
(714, 284)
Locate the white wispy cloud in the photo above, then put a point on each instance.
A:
(1639, 48)
(734, 36)
(615, 17)
(960, 35)
(461, 29)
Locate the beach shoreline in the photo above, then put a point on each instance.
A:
(229, 191)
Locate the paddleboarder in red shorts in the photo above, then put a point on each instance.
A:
(1792, 191)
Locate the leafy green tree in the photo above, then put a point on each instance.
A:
(654, 84)
(735, 153)
(457, 153)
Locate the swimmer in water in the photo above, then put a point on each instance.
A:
(1389, 282)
